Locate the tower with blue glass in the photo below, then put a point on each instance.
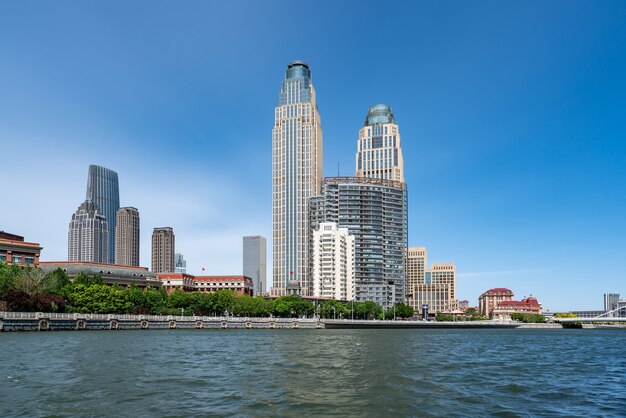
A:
(103, 190)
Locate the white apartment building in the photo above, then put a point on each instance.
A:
(333, 262)
(88, 235)
(296, 177)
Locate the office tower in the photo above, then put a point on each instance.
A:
(379, 154)
(610, 301)
(296, 176)
(127, 237)
(180, 264)
(88, 236)
(163, 250)
(103, 190)
(416, 264)
(255, 262)
(333, 262)
(375, 212)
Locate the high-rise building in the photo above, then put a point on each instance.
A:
(375, 212)
(127, 237)
(180, 264)
(103, 190)
(255, 261)
(416, 264)
(333, 262)
(379, 154)
(88, 236)
(610, 301)
(435, 287)
(163, 250)
(296, 176)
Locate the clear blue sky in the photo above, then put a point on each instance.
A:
(512, 116)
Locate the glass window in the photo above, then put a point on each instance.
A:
(16, 259)
(3, 257)
(30, 260)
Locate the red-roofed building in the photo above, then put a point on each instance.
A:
(488, 301)
(504, 309)
(241, 285)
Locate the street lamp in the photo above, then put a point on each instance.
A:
(182, 311)
(334, 312)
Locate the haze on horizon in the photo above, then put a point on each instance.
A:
(511, 115)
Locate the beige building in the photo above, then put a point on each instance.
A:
(163, 250)
(127, 237)
(488, 301)
(435, 287)
(379, 154)
(333, 262)
(296, 177)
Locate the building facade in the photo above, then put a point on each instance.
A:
(374, 211)
(240, 285)
(379, 154)
(488, 301)
(127, 237)
(103, 189)
(504, 309)
(296, 176)
(435, 287)
(88, 235)
(14, 250)
(180, 264)
(163, 247)
(416, 265)
(255, 262)
(111, 274)
(333, 262)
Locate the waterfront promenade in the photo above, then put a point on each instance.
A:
(41, 321)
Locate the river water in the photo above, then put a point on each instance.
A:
(345, 373)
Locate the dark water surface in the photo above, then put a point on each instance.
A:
(347, 373)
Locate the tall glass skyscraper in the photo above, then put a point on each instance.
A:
(103, 190)
(379, 154)
(254, 262)
(296, 176)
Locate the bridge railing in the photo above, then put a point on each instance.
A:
(133, 317)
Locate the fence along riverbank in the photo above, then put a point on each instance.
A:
(42, 321)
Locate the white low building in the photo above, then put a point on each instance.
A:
(333, 262)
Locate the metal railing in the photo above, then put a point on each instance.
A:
(132, 317)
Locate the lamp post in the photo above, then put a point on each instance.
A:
(182, 311)
(334, 313)
(353, 309)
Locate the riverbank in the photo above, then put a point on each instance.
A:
(41, 321)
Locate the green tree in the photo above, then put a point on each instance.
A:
(333, 309)
(8, 276)
(56, 281)
(98, 298)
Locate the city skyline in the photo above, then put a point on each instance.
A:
(511, 129)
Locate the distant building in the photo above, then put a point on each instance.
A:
(333, 262)
(611, 301)
(103, 189)
(255, 262)
(14, 250)
(379, 154)
(488, 301)
(163, 250)
(375, 212)
(111, 274)
(463, 305)
(435, 287)
(241, 285)
(127, 237)
(504, 309)
(180, 264)
(438, 290)
(88, 235)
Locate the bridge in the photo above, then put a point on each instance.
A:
(605, 317)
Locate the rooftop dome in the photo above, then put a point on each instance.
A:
(380, 113)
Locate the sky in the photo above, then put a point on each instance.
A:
(512, 117)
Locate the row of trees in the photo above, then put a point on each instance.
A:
(29, 289)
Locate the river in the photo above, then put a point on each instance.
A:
(343, 373)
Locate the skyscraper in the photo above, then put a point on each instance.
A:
(375, 212)
(127, 237)
(163, 250)
(255, 262)
(180, 264)
(296, 176)
(103, 190)
(379, 154)
(88, 235)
